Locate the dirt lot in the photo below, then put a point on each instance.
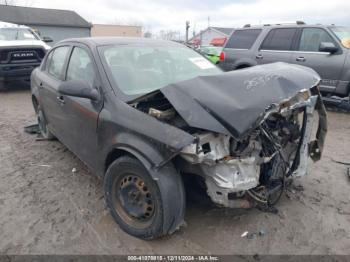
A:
(46, 209)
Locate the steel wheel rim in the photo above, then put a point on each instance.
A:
(133, 201)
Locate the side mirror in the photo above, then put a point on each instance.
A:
(47, 39)
(328, 47)
(78, 88)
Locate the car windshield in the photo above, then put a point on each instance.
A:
(140, 70)
(10, 34)
(343, 33)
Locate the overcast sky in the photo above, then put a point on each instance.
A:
(172, 14)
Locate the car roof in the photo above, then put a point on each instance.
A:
(11, 25)
(102, 41)
(269, 26)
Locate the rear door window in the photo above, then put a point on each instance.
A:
(57, 61)
(279, 39)
(243, 39)
(311, 38)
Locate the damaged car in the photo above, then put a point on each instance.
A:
(144, 114)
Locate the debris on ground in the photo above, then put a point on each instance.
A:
(245, 233)
(32, 129)
(262, 232)
(341, 162)
(253, 235)
(74, 170)
(41, 165)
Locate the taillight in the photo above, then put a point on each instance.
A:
(222, 56)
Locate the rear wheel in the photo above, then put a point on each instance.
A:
(44, 130)
(134, 198)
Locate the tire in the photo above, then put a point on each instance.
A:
(135, 201)
(44, 129)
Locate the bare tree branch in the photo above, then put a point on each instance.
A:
(26, 3)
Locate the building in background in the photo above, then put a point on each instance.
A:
(53, 23)
(212, 36)
(116, 30)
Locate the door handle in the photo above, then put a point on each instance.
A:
(61, 100)
(259, 56)
(301, 59)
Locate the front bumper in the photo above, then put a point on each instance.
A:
(307, 147)
(237, 176)
(13, 72)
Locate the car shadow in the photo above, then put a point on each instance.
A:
(197, 199)
(16, 86)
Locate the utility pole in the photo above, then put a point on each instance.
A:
(187, 28)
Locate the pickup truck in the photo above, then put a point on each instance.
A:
(21, 50)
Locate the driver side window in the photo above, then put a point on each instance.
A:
(80, 67)
(57, 59)
(311, 38)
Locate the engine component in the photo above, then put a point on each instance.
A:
(162, 115)
(223, 173)
(209, 149)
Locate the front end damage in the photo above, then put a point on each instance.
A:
(256, 167)
(252, 130)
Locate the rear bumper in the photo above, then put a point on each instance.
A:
(13, 72)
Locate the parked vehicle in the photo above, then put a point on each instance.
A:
(211, 52)
(141, 113)
(323, 48)
(21, 50)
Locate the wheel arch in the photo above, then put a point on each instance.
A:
(243, 65)
(119, 151)
(168, 179)
(149, 153)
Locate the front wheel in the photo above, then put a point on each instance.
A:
(134, 199)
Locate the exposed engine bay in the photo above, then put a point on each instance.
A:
(243, 166)
(255, 166)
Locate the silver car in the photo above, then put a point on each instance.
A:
(323, 48)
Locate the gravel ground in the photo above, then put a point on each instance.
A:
(47, 209)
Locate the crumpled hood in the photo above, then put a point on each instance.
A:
(232, 103)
